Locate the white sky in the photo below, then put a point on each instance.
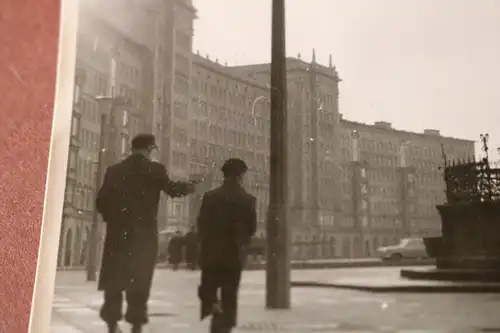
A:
(416, 63)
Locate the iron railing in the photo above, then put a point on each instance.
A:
(472, 180)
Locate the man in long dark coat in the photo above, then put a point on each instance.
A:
(226, 224)
(175, 247)
(191, 244)
(128, 202)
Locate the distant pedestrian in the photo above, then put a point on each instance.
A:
(128, 202)
(226, 224)
(175, 247)
(191, 244)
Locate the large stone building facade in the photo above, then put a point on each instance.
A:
(108, 64)
(352, 186)
(392, 181)
(313, 154)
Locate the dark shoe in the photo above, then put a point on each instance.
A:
(217, 308)
(136, 329)
(218, 323)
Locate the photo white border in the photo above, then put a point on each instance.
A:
(43, 291)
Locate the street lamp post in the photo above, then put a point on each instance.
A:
(278, 263)
(254, 115)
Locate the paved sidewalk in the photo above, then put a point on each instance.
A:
(174, 308)
(389, 280)
(316, 264)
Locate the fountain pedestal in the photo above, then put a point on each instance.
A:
(469, 248)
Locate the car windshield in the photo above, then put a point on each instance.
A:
(410, 242)
(404, 241)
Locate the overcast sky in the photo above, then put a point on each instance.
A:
(416, 63)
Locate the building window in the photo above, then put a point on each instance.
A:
(181, 85)
(102, 85)
(124, 144)
(73, 156)
(177, 210)
(76, 94)
(181, 65)
(364, 221)
(85, 199)
(125, 118)
(363, 172)
(77, 198)
(180, 110)
(113, 77)
(70, 187)
(183, 40)
(75, 126)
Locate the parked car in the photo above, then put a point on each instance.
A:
(408, 248)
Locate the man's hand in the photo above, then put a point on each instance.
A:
(191, 187)
(201, 182)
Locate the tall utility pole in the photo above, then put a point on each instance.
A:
(278, 261)
(105, 105)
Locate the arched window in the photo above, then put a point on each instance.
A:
(84, 249)
(357, 247)
(333, 247)
(68, 248)
(78, 245)
(346, 247)
(325, 242)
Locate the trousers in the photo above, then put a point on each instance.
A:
(137, 305)
(223, 281)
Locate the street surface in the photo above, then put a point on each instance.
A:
(174, 307)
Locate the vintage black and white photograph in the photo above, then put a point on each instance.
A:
(282, 166)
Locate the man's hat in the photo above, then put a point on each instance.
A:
(143, 141)
(234, 167)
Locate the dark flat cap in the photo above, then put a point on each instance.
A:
(143, 141)
(234, 167)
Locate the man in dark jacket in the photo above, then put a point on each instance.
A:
(175, 249)
(226, 224)
(128, 202)
(191, 245)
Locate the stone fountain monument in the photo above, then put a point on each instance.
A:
(469, 246)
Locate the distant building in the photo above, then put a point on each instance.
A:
(392, 181)
(352, 186)
(313, 155)
(222, 126)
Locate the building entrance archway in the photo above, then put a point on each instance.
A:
(68, 248)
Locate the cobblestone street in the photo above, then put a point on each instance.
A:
(174, 308)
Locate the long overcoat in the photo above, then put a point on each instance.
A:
(128, 202)
(175, 249)
(226, 224)
(191, 243)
